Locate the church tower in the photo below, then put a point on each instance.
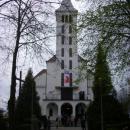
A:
(59, 94)
(66, 43)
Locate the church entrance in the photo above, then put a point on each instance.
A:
(66, 111)
(52, 111)
(80, 110)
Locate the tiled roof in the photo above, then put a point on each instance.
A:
(66, 5)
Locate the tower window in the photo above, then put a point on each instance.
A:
(70, 29)
(70, 19)
(66, 18)
(63, 29)
(62, 39)
(62, 52)
(70, 40)
(63, 18)
(71, 79)
(70, 52)
(70, 64)
(62, 79)
(62, 64)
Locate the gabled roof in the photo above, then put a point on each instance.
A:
(52, 59)
(41, 72)
(66, 5)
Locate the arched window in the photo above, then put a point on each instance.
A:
(62, 39)
(63, 19)
(62, 52)
(70, 19)
(62, 64)
(63, 29)
(70, 29)
(70, 52)
(70, 40)
(70, 64)
(66, 18)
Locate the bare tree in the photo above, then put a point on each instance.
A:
(29, 21)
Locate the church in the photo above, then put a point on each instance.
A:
(60, 93)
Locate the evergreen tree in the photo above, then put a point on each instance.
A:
(105, 106)
(27, 104)
(2, 121)
(113, 115)
(102, 84)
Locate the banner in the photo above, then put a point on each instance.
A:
(66, 79)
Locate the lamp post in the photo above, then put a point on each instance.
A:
(101, 105)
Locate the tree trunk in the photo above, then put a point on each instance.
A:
(13, 88)
(13, 76)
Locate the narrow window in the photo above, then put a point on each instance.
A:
(62, 52)
(70, 64)
(70, 19)
(62, 39)
(71, 79)
(62, 29)
(62, 64)
(50, 112)
(70, 52)
(70, 40)
(66, 18)
(63, 18)
(70, 29)
(62, 79)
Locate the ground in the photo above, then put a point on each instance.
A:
(66, 128)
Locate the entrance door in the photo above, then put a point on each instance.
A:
(66, 110)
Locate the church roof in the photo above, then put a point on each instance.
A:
(41, 72)
(66, 5)
(52, 59)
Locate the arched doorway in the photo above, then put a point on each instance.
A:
(66, 110)
(52, 111)
(80, 110)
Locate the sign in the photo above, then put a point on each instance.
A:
(66, 79)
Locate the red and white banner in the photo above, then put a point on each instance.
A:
(66, 79)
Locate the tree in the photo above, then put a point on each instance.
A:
(3, 124)
(27, 104)
(26, 20)
(102, 84)
(105, 110)
(108, 24)
(113, 115)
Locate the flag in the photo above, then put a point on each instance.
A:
(66, 79)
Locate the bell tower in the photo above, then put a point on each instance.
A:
(66, 43)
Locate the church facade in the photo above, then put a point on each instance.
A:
(60, 93)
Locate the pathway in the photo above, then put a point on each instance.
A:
(66, 128)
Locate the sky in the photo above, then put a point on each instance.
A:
(5, 66)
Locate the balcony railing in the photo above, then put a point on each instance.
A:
(75, 97)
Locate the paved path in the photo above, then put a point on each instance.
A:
(66, 128)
